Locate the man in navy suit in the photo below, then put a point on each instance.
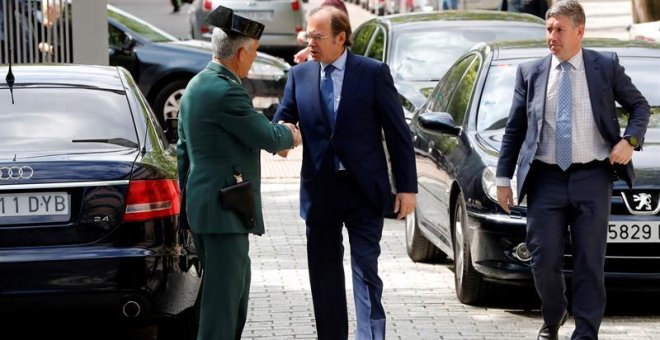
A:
(344, 104)
(564, 135)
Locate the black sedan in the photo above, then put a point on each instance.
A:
(420, 47)
(457, 135)
(162, 65)
(89, 202)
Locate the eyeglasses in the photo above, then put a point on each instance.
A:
(314, 36)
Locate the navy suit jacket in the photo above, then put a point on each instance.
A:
(368, 108)
(607, 83)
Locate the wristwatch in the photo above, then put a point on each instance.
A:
(632, 140)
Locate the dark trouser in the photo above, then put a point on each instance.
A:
(575, 202)
(226, 285)
(325, 254)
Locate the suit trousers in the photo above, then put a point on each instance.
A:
(572, 204)
(325, 254)
(225, 285)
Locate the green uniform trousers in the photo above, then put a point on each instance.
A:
(226, 285)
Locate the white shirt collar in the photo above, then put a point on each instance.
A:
(577, 61)
(340, 63)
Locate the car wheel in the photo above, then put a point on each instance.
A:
(419, 248)
(469, 282)
(183, 326)
(166, 104)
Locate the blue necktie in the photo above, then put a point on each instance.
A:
(564, 127)
(327, 95)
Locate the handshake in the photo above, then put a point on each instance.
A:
(297, 138)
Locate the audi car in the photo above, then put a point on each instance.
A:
(89, 202)
(420, 47)
(457, 136)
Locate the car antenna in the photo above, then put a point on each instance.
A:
(10, 78)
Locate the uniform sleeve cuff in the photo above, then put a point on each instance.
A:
(503, 181)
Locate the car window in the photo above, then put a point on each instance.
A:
(425, 55)
(144, 29)
(52, 123)
(377, 47)
(362, 38)
(439, 99)
(497, 95)
(458, 104)
(115, 37)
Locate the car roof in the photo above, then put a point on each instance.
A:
(102, 77)
(469, 17)
(539, 48)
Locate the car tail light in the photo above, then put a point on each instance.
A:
(295, 5)
(150, 199)
(298, 29)
(208, 5)
(204, 29)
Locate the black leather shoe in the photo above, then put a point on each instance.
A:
(551, 332)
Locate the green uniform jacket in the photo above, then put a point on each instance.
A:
(219, 130)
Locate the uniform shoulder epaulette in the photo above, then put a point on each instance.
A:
(231, 81)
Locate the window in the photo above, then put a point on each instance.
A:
(377, 47)
(459, 102)
(445, 88)
(362, 38)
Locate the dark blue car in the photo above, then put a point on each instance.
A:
(89, 202)
(457, 135)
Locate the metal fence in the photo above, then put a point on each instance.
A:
(35, 31)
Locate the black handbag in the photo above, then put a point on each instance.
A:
(239, 198)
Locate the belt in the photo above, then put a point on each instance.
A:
(575, 166)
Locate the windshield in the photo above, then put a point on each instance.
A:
(498, 92)
(51, 119)
(144, 29)
(426, 55)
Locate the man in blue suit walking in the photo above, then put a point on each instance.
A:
(344, 104)
(564, 135)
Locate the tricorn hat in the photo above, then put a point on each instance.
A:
(225, 19)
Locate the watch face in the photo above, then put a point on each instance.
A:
(632, 140)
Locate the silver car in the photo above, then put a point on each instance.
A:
(283, 20)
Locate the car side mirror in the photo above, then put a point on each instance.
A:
(441, 122)
(128, 44)
(171, 130)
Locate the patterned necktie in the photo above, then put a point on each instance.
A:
(564, 108)
(327, 95)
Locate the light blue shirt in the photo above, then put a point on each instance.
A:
(337, 77)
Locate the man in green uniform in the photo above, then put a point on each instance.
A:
(221, 135)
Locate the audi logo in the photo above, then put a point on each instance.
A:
(15, 172)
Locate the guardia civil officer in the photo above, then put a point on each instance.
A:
(220, 139)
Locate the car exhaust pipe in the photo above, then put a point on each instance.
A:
(131, 309)
(521, 252)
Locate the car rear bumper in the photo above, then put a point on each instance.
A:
(109, 280)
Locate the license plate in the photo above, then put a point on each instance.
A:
(46, 204)
(633, 232)
(256, 15)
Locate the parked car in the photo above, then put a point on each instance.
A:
(162, 65)
(648, 31)
(457, 136)
(283, 20)
(89, 202)
(420, 47)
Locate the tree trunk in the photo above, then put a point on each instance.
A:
(645, 10)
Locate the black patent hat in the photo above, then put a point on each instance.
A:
(225, 19)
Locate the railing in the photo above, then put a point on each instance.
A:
(35, 31)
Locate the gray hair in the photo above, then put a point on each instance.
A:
(568, 8)
(225, 46)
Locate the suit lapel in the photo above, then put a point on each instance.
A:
(540, 80)
(594, 82)
(352, 73)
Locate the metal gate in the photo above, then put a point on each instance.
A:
(35, 31)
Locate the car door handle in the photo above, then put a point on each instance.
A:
(430, 146)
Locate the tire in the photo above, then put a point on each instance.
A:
(469, 283)
(166, 102)
(418, 247)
